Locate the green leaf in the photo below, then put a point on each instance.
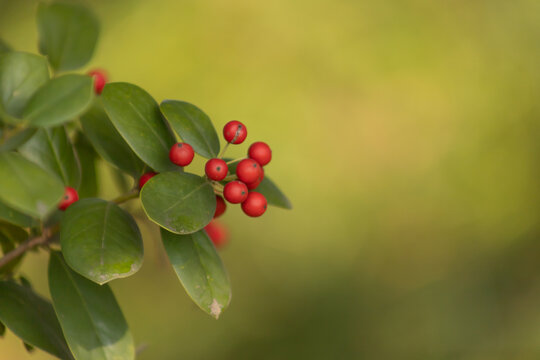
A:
(32, 318)
(179, 202)
(21, 75)
(15, 217)
(27, 187)
(59, 100)
(136, 116)
(28, 347)
(88, 159)
(18, 139)
(193, 126)
(52, 150)
(4, 47)
(100, 240)
(67, 34)
(91, 319)
(273, 194)
(109, 143)
(10, 237)
(200, 269)
(2, 329)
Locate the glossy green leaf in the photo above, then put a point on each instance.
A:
(100, 240)
(193, 126)
(92, 322)
(59, 100)
(179, 202)
(137, 117)
(67, 34)
(32, 318)
(274, 196)
(15, 217)
(88, 159)
(17, 139)
(200, 269)
(52, 150)
(109, 143)
(10, 237)
(21, 75)
(27, 187)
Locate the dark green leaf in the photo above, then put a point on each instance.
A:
(10, 237)
(109, 143)
(193, 126)
(136, 116)
(100, 240)
(59, 100)
(32, 318)
(273, 195)
(15, 217)
(25, 282)
(21, 75)
(18, 139)
(2, 329)
(88, 159)
(179, 202)
(67, 34)
(52, 150)
(91, 319)
(200, 269)
(27, 187)
(28, 347)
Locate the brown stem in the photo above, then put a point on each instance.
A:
(27, 245)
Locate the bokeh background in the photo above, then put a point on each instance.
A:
(407, 136)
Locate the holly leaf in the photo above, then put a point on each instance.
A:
(52, 150)
(200, 270)
(87, 158)
(100, 240)
(109, 143)
(27, 187)
(15, 217)
(136, 116)
(21, 75)
(68, 34)
(179, 202)
(59, 100)
(193, 126)
(18, 139)
(32, 318)
(89, 315)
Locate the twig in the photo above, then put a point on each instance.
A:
(25, 246)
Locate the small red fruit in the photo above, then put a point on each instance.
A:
(70, 196)
(181, 154)
(217, 233)
(235, 192)
(255, 204)
(221, 206)
(253, 185)
(216, 169)
(145, 177)
(235, 132)
(248, 171)
(100, 79)
(260, 152)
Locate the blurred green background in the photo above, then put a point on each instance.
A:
(407, 135)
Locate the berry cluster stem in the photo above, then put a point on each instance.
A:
(223, 151)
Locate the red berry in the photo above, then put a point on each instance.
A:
(100, 79)
(181, 154)
(70, 196)
(253, 185)
(217, 233)
(216, 169)
(235, 132)
(260, 152)
(255, 204)
(145, 177)
(248, 171)
(221, 206)
(235, 192)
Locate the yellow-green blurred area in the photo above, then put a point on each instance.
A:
(406, 134)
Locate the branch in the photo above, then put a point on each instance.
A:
(25, 246)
